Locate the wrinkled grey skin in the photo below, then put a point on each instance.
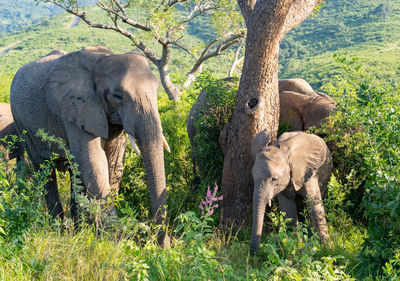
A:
(88, 98)
(7, 127)
(302, 111)
(296, 168)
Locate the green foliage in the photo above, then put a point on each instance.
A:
(21, 205)
(220, 102)
(5, 84)
(293, 255)
(364, 135)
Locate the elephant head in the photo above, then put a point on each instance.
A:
(297, 164)
(96, 93)
(304, 111)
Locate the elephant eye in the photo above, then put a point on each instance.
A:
(274, 179)
(117, 96)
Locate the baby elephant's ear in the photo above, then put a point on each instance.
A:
(261, 140)
(307, 153)
(70, 93)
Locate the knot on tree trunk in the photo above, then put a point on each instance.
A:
(252, 105)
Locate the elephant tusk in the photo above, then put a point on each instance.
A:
(269, 203)
(166, 146)
(133, 144)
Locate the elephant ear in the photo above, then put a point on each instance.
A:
(261, 140)
(70, 92)
(307, 152)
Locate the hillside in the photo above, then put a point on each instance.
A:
(369, 30)
(19, 13)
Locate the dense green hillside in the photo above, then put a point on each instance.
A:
(366, 29)
(369, 30)
(18, 13)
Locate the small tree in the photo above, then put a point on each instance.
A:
(166, 22)
(257, 102)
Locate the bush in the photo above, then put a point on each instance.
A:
(221, 99)
(365, 135)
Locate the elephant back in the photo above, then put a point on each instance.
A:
(27, 98)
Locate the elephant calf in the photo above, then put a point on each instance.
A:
(297, 166)
(7, 127)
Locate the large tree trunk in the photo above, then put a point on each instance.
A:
(257, 102)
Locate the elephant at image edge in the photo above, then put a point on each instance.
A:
(296, 168)
(7, 127)
(88, 98)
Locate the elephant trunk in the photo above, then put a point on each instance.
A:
(261, 196)
(150, 141)
(259, 203)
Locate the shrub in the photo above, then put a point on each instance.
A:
(365, 135)
(221, 98)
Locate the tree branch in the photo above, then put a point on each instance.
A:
(149, 54)
(171, 90)
(205, 55)
(124, 16)
(236, 59)
(198, 10)
(247, 7)
(298, 12)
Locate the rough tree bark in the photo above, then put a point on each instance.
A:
(257, 102)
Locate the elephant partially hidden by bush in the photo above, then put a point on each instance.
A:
(299, 112)
(296, 168)
(300, 108)
(7, 128)
(88, 98)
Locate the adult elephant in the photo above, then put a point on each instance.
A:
(300, 112)
(88, 98)
(297, 85)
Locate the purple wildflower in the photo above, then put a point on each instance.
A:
(210, 202)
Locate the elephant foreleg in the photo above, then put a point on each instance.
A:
(90, 156)
(288, 206)
(316, 209)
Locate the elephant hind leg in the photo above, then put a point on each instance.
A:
(316, 209)
(115, 152)
(53, 198)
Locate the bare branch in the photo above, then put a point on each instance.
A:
(123, 16)
(198, 10)
(205, 55)
(183, 47)
(172, 92)
(149, 54)
(173, 3)
(236, 59)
